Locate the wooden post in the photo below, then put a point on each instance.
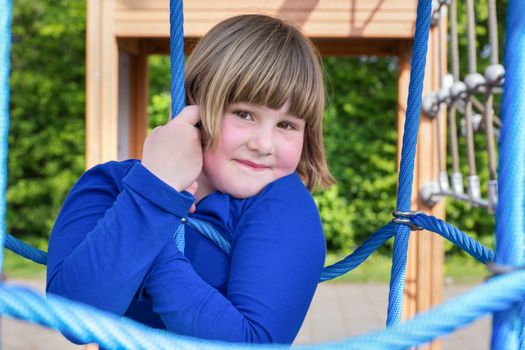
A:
(139, 104)
(132, 98)
(93, 76)
(101, 84)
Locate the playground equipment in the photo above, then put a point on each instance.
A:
(503, 293)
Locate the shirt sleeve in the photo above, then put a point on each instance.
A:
(114, 222)
(277, 258)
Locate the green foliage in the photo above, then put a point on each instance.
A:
(361, 142)
(47, 130)
(160, 90)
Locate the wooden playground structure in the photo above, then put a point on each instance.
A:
(122, 33)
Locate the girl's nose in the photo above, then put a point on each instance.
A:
(262, 142)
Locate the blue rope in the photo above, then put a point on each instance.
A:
(180, 237)
(477, 250)
(178, 99)
(5, 45)
(360, 254)
(177, 57)
(510, 222)
(406, 171)
(500, 293)
(207, 230)
(449, 316)
(23, 249)
(459, 238)
(204, 228)
(88, 325)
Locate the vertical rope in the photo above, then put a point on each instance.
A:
(454, 39)
(5, 44)
(178, 98)
(471, 47)
(488, 112)
(177, 57)
(455, 72)
(510, 222)
(493, 32)
(441, 158)
(408, 152)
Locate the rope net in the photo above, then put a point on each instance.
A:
(499, 294)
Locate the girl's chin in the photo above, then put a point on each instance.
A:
(242, 192)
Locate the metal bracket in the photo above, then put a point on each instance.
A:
(403, 217)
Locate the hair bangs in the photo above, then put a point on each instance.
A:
(275, 73)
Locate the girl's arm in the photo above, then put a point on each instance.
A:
(277, 258)
(114, 222)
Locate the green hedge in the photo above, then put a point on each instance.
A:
(47, 133)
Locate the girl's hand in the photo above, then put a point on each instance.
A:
(173, 152)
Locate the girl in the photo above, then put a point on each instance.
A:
(247, 151)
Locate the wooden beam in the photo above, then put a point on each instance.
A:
(357, 47)
(109, 132)
(101, 85)
(327, 46)
(327, 18)
(133, 46)
(93, 77)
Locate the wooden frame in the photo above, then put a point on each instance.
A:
(122, 33)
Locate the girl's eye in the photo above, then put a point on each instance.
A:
(243, 115)
(286, 126)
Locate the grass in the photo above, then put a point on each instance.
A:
(376, 269)
(18, 267)
(458, 270)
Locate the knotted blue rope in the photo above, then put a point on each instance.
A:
(406, 171)
(360, 254)
(23, 249)
(177, 57)
(449, 316)
(178, 99)
(89, 325)
(456, 236)
(6, 12)
(510, 212)
(205, 229)
(112, 332)
(430, 223)
(180, 237)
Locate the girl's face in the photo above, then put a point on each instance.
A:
(257, 146)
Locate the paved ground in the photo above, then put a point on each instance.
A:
(338, 311)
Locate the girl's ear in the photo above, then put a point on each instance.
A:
(199, 125)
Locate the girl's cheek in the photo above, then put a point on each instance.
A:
(290, 157)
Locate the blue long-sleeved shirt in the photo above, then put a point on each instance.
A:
(112, 247)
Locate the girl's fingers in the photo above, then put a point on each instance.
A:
(189, 114)
(193, 189)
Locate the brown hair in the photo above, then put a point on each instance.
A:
(264, 61)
